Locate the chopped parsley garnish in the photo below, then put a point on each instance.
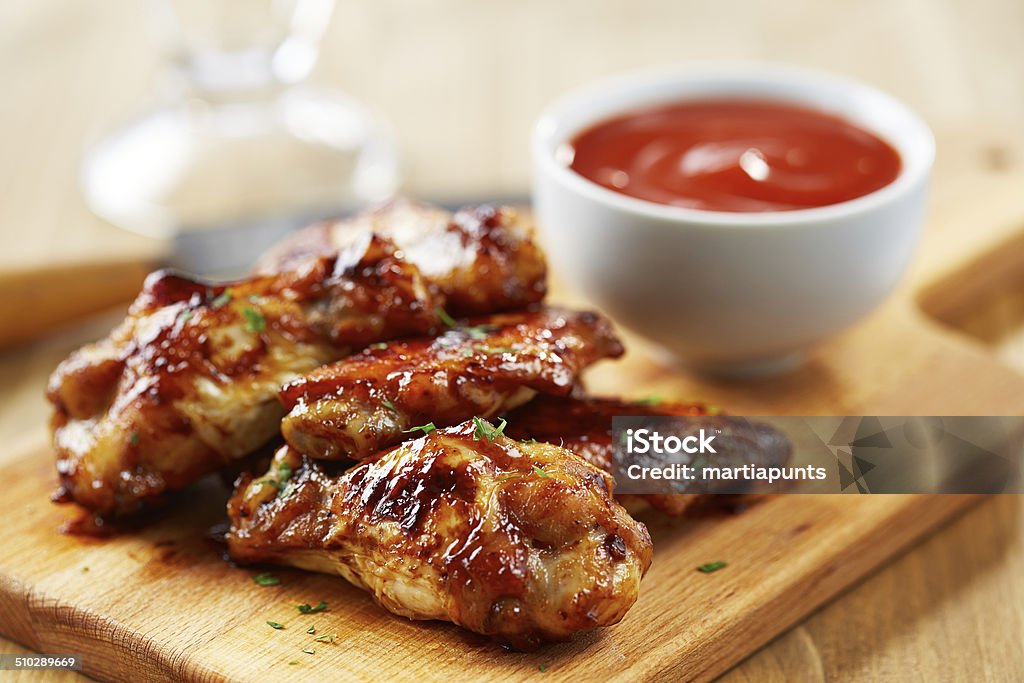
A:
(378, 346)
(311, 630)
(266, 579)
(485, 430)
(306, 609)
(711, 567)
(479, 331)
(309, 651)
(274, 625)
(222, 299)
(326, 638)
(426, 429)
(185, 315)
(651, 400)
(445, 318)
(294, 661)
(284, 473)
(133, 439)
(543, 668)
(254, 320)
(541, 473)
(389, 405)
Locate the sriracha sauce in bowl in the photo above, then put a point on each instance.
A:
(734, 155)
(733, 216)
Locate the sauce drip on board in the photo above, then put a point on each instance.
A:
(734, 155)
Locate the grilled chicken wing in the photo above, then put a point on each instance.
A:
(359, 405)
(584, 426)
(188, 381)
(520, 542)
(482, 259)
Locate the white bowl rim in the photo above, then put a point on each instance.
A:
(912, 170)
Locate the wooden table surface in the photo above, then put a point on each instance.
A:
(461, 82)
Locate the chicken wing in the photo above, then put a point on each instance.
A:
(584, 426)
(520, 542)
(188, 381)
(481, 260)
(369, 401)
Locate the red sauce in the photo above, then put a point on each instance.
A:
(735, 155)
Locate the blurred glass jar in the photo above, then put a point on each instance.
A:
(238, 140)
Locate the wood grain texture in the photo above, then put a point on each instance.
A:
(162, 603)
(35, 300)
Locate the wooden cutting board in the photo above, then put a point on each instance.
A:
(162, 604)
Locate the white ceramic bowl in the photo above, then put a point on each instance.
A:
(736, 292)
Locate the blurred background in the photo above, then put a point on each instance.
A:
(459, 82)
(453, 87)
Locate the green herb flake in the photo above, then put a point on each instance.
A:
(254, 320)
(266, 579)
(306, 609)
(133, 438)
(378, 346)
(652, 400)
(222, 300)
(426, 429)
(543, 668)
(309, 651)
(293, 662)
(443, 316)
(184, 316)
(541, 473)
(711, 567)
(479, 331)
(485, 430)
(274, 625)
(283, 486)
(326, 638)
(389, 405)
(311, 630)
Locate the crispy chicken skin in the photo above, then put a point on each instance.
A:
(188, 381)
(367, 402)
(520, 542)
(481, 259)
(584, 426)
